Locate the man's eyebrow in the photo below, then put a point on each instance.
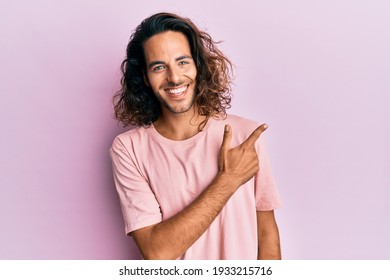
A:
(183, 57)
(157, 62)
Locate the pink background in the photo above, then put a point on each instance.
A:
(318, 72)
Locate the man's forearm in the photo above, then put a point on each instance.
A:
(172, 237)
(269, 248)
(268, 237)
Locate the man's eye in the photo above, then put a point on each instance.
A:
(183, 62)
(157, 68)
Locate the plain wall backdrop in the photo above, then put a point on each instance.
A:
(318, 72)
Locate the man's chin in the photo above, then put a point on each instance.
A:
(178, 109)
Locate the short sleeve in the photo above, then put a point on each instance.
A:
(266, 193)
(138, 202)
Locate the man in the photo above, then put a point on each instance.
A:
(193, 182)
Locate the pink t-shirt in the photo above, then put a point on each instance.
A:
(157, 177)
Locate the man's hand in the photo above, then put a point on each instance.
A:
(241, 163)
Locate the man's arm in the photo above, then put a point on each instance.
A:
(268, 235)
(172, 237)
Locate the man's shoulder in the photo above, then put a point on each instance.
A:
(132, 131)
(240, 123)
(133, 134)
(240, 120)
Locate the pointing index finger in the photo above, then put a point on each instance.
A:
(250, 141)
(226, 138)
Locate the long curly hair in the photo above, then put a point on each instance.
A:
(136, 104)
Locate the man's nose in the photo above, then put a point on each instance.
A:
(173, 76)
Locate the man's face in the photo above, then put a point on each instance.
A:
(171, 71)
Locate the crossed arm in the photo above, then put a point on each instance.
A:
(171, 238)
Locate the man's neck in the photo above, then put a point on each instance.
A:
(179, 126)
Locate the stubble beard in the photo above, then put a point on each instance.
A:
(183, 108)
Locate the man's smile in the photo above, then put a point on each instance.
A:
(177, 91)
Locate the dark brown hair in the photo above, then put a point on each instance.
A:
(136, 104)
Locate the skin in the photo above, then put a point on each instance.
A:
(169, 68)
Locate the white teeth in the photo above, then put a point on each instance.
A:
(177, 91)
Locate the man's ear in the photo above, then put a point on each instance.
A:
(146, 80)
